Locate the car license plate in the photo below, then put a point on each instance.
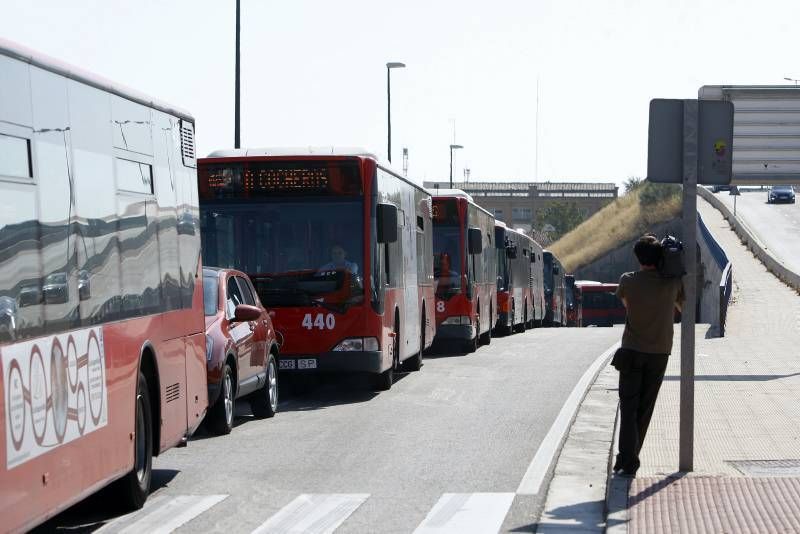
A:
(286, 364)
(307, 363)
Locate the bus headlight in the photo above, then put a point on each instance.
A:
(209, 347)
(458, 319)
(358, 344)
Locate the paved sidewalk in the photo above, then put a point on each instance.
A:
(747, 417)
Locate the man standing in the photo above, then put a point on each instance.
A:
(650, 301)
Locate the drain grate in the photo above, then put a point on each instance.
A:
(767, 468)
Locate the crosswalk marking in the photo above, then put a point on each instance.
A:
(317, 513)
(464, 513)
(162, 514)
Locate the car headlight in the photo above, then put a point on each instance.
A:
(357, 344)
(458, 319)
(209, 347)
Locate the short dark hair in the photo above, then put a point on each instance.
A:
(648, 250)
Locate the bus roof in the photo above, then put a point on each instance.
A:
(22, 53)
(458, 193)
(294, 151)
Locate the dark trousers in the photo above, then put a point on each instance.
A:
(640, 379)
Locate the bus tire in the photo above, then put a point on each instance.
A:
(521, 327)
(220, 415)
(264, 402)
(486, 338)
(133, 488)
(415, 362)
(383, 381)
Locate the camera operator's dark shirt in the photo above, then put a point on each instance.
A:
(651, 309)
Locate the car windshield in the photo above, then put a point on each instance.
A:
(782, 188)
(297, 252)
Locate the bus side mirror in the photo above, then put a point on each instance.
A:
(386, 215)
(500, 238)
(475, 241)
(555, 269)
(533, 258)
(511, 252)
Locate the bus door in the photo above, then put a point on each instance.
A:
(410, 327)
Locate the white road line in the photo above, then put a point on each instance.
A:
(319, 513)
(531, 483)
(163, 514)
(466, 513)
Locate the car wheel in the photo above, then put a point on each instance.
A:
(220, 416)
(133, 488)
(265, 402)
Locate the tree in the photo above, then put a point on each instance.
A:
(562, 216)
(632, 183)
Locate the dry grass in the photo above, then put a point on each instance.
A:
(619, 222)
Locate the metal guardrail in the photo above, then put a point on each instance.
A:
(725, 290)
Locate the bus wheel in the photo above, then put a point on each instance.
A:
(471, 345)
(134, 487)
(521, 327)
(383, 381)
(220, 415)
(486, 338)
(265, 402)
(415, 363)
(509, 328)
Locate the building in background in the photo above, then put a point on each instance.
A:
(528, 205)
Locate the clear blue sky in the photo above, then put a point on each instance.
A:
(313, 71)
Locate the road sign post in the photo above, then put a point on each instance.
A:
(690, 142)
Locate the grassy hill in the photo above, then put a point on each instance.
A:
(623, 220)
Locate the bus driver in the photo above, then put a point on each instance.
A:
(339, 261)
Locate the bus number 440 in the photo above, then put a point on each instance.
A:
(320, 321)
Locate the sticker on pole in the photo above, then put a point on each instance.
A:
(56, 392)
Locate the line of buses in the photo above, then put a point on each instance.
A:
(106, 220)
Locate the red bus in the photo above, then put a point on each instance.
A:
(520, 291)
(465, 268)
(102, 351)
(599, 304)
(339, 248)
(555, 301)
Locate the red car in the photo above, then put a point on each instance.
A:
(241, 348)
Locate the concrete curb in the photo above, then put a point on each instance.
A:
(576, 495)
(776, 267)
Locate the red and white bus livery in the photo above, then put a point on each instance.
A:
(465, 268)
(520, 291)
(102, 351)
(338, 246)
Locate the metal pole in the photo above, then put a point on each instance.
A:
(236, 123)
(389, 113)
(690, 139)
(451, 167)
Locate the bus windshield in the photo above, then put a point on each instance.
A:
(298, 252)
(447, 257)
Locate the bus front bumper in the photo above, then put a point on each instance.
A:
(460, 332)
(334, 361)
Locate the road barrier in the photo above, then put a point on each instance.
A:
(773, 265)
(715, 291)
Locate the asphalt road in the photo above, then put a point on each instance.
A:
(775, 225)
(340, 454)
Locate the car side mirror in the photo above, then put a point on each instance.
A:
(246, 312)
(475, 241)
(386, 220)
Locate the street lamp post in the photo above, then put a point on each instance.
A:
(236, 138)
(389, 66)
(795, 80)
(452, 147)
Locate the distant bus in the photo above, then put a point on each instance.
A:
(572, 303)
(520, 290)
(599, 304)
(102, 353)
(338, 246)
(555, 301)
(465, 268)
